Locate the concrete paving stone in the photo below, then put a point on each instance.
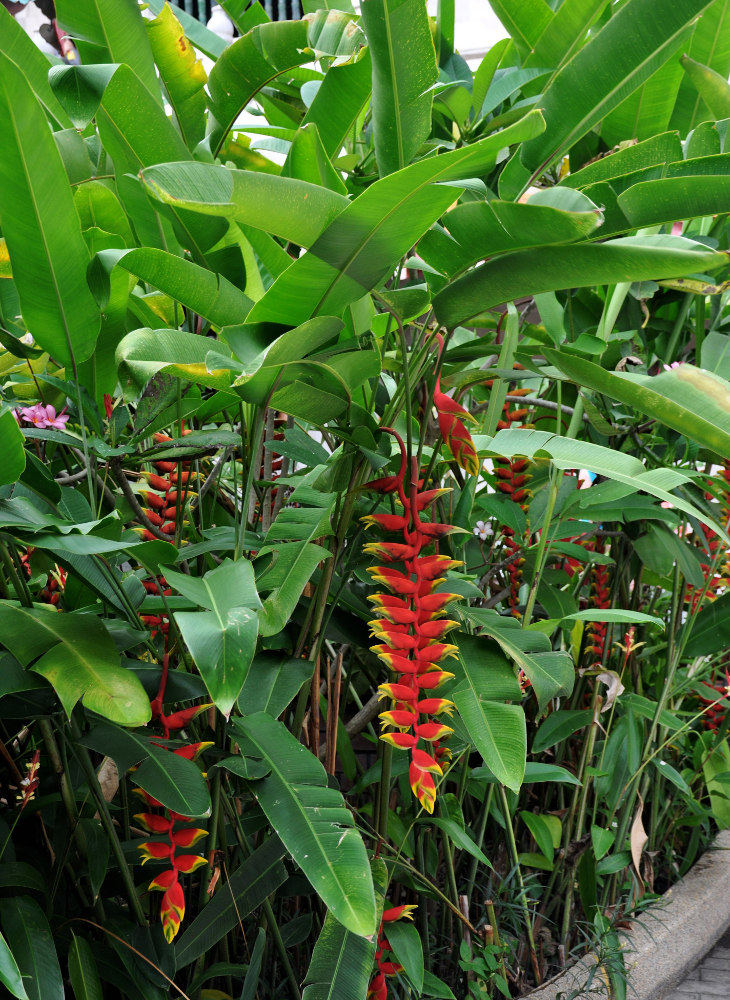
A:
(714, 975)
(713, 962)
(691, 984)
(682, 996)
(712, 989)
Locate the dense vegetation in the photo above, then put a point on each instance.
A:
(364, 495)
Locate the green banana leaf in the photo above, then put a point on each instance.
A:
(42, 227)
(404, 73)
(312, 821)
(78, 658)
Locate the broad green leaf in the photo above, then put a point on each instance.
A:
(11, 449)
(206, 41)
(342, 962)
(710, 46)
(558, 727)
(31, 942)
(483, 229)
(639, 38)
(461, 839)
(551, 674)
(632, 159)
(602, 841)
(210, 295)
(540, 831)
(363, 244)
(536, 773)
(182, 74)
(613, 615)
(222, 641)
(247, 66)
(710, 85)
(42, 228)
(272, 682)
(255, 880)
(404, 72)
(287, 570)
(407, 947)
(312, 821)
(115, 29)
(565, 32)
(548, 269)
(82, 970)
(569, 454)
(708, 631)
(307, 160)
(690, 400)
(144, 353)
(497, 730)
(525, 21)
(174, 781)
(340, 100)
(649, 203)
(80, 660)
(647, 111)
(10, 976)
(284, 206)
(18, 46)
(716, 765)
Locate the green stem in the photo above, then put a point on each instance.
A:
(542, 547)
(512, 844)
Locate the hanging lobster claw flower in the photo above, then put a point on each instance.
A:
(424, 499)
(388, 522)
(399, 912)
(187, 863)
(398, 692)
(399, 717)
(153, 822)
(391, 551)
(433, 678)
(425, 762)
(172, 910)
(435, 706)
(430, 731)
(423, 787)
(187, 837)
(402, 741)
(155, 851)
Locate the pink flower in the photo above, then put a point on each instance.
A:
(44, 416)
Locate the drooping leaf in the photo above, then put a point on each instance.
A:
(497, 730)
(342, 962)
(710, 85)
(404, 72)
(115, 32)
(10, 975)
(547, 269)
(312, 821)
(222, 641)
(77, 656)
(42, 228)
(284, 579)
(710, 46)
(30, 939)
(271, 683)
(82, 970)
(182, 74)
(11, 449)
(690, 400)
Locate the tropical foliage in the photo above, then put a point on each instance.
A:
(323, 321)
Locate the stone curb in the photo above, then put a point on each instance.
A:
(671, 937)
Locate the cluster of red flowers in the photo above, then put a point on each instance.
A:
(162, 504)
(600, 597)
(378, 989)
(167, 825)
(159, 622)
(172, 909)
(451, 417)
(721, 579)
(512, 478)
(411, 628)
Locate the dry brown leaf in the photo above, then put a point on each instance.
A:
(108, 777)
(638, 840)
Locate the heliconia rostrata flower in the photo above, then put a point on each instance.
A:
(451, 417)
(411, 627)
(378, 990)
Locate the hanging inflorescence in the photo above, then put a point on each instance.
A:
(412, 627)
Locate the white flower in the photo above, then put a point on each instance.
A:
(483, 529)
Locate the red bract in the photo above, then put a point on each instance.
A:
(410, 629)
(451, 417)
